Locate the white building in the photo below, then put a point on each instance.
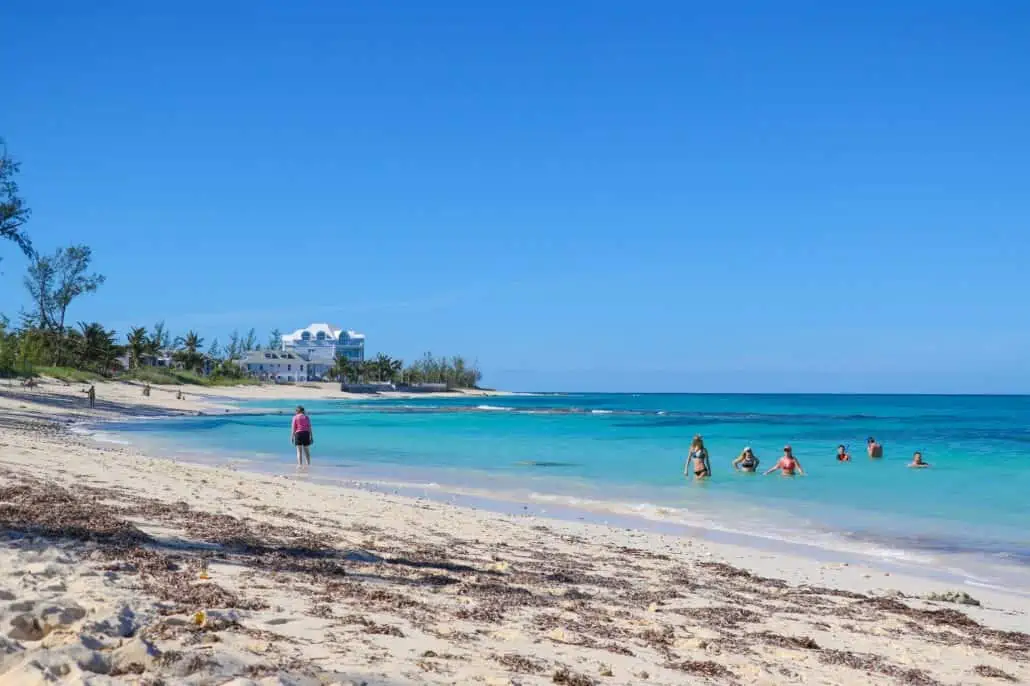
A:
(321, 344)
(276, 365)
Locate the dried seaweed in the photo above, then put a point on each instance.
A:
(993, 673)
(520, 664)
(867, 662)
(705, 668)
(796, 642)
(564, 675)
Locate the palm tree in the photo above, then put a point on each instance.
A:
(138, 345)
(344, 369)
(188, 354)
(382, 366)
(96, 347)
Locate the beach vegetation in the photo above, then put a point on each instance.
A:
(136, 344)
(13, 211)
(54, 282)
(187, 351)
(43, 342)
(169, 376)
(275, 339)
(67, 374)
(454, 372)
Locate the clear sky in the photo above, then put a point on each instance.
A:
(666, 196)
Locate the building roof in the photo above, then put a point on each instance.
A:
(331, 332)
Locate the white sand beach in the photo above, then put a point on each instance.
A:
(118, 567)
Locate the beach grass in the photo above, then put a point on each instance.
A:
(67, 374)
(181, 377)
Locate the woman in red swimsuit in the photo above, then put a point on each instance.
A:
(788, 464)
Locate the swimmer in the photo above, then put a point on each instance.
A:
(698, 457)
(788, 464)
(747, 461)
(917, 461)
(842, 454)
(873, 448)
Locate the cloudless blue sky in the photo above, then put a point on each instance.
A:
(597, 195)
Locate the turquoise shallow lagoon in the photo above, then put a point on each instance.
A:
(619, 455)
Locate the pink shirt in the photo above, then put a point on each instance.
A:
(301, 422)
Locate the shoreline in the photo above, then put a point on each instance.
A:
(510, 598)
(936, 560)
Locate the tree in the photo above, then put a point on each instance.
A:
(188, 354)
(214, 351)
(160, 340)
(137, 344)
(344, 369)
(96, 347)
(275, 340)
(234, 349)
(13, 212)
(250, 342)
(55, 281)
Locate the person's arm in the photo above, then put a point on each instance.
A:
(798, 463)
(736, 463)
(772, 469)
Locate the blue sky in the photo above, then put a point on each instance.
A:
(664, 196)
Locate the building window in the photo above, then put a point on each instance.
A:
(302, 367)
(289, 367)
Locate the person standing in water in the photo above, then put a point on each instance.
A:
(301, 435)
(842, 454)
(747, 461)
(874, 449)
(917, 461)
(697, 459)
(788, 464)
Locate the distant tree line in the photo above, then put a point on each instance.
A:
(44, 337)
(455, 372)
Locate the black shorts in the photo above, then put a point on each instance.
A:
(302, 438)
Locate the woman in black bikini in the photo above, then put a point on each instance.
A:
(747, 461)
(698, 457)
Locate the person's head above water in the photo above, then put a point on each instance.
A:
(870, 440)
(917, 457)
(747, 450)
(841, 448)
(300, 409)
(788, 450)
(698, 442)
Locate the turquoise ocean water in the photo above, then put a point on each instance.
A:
(621, 455)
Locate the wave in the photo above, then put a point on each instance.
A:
(494, 408)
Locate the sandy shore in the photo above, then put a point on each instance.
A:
(119, 567)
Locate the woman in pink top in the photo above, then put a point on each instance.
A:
(301, 435)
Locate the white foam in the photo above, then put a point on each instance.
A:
(102, 437)
(494, 408)
(600, 412)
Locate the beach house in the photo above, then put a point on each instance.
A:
(276, 365)
(320, 344)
